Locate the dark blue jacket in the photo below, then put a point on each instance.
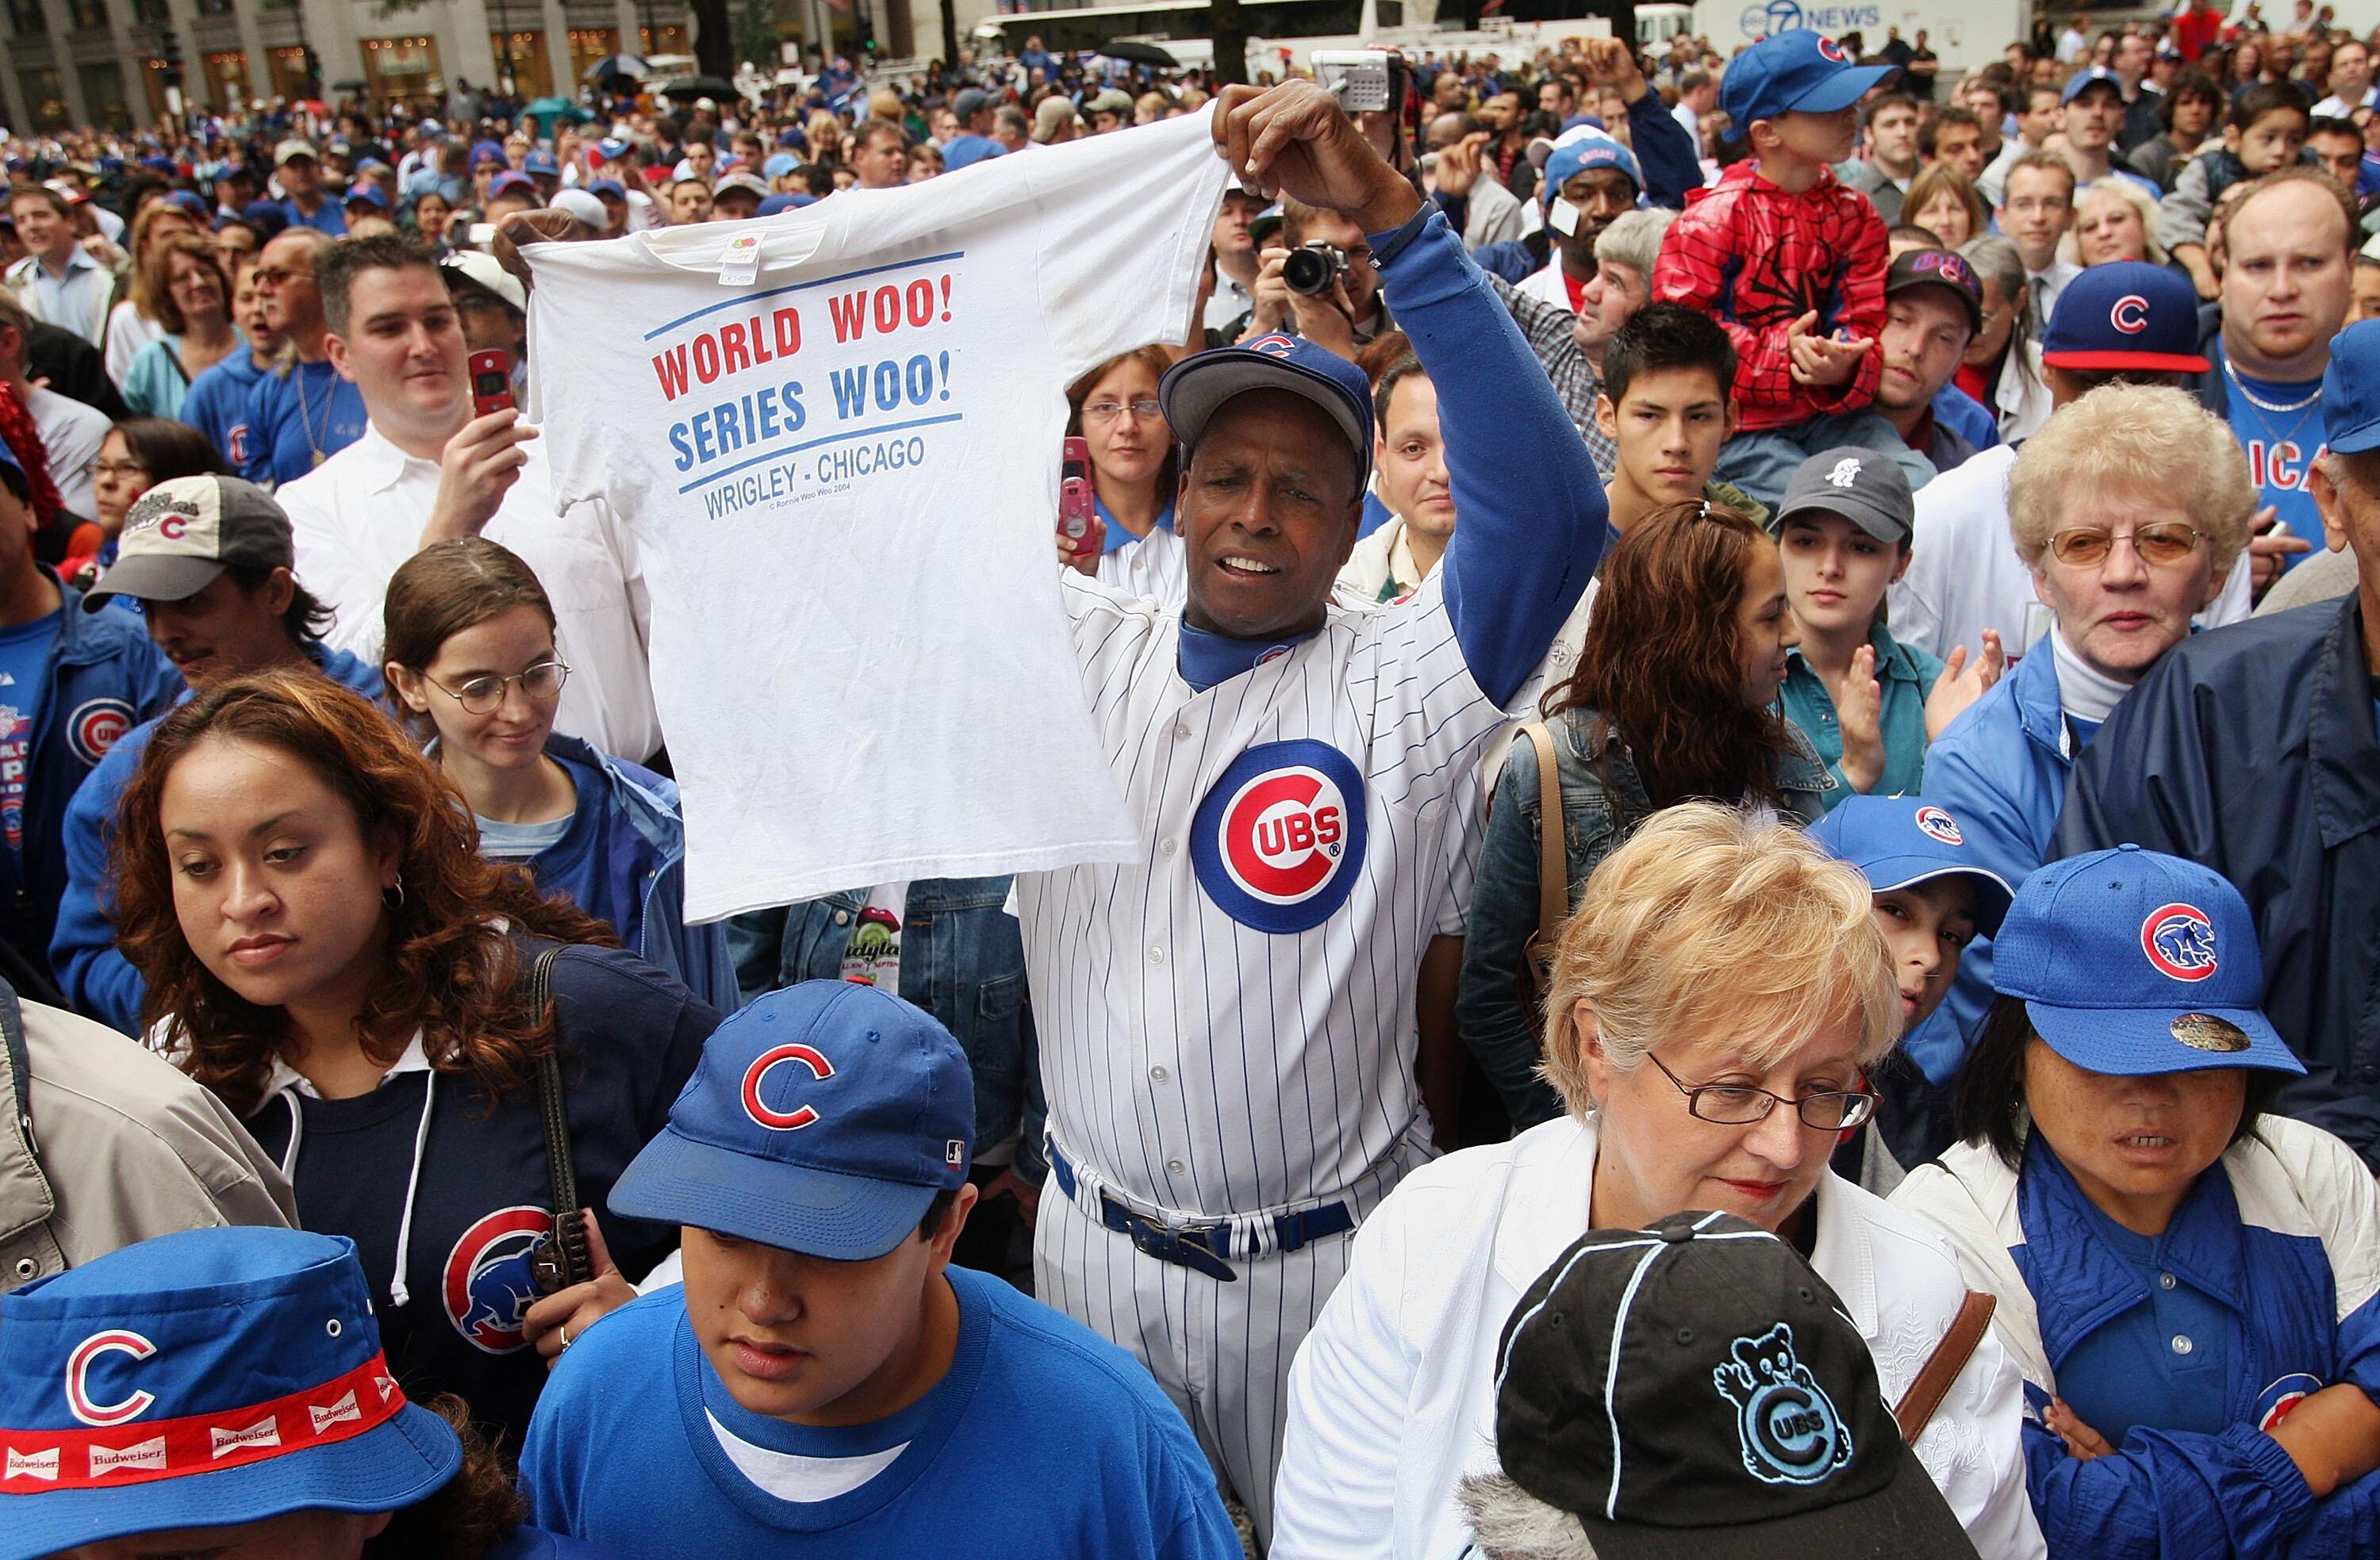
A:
(962, 960)
(105, 677)
(2000, 770)
(625, 860)
(2250, 749)
(99, 981)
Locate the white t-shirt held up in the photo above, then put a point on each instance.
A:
(835, 436)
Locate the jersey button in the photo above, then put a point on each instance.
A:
(1156, 956)
(2182, 1344)
(842, 918)
(1180, 734)
(1175, 1166)
(1165, 847)
(1159, 1074)
(2165, 1280)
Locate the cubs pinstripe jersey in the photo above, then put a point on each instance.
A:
(1227, 1023)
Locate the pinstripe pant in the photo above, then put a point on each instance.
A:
(1222, 1352)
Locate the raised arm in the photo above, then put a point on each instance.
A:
(1531, 506)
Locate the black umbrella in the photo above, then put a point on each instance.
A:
(1138, 54)
(701, 87)
(630, 66)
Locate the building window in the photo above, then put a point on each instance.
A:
(91, 13)
(27, 20)
(103, 95)
(215, 8)
(45, 99)
(152, 11)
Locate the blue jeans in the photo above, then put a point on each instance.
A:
(1761, 463)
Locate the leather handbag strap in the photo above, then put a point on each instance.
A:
(561, 1167)
(1553, 845)
(1950, 1357)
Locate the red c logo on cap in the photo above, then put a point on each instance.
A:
(78, 1365)
(783, 1120)
(1830, 49)
(2130, 314)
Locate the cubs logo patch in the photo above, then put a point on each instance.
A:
(1789, 1428)
(2273, 1403)
(2179, 941)
(762, 1113)
(1279, 841)
(90, 1352)
(1830, 50)
(1940, 826)
(1274, 345)
(489, 1283)
(94, 725)
(2129, 314)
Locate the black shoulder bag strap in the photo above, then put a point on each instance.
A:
(563, 1259)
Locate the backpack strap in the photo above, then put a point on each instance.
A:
(1942, 1367)
(1553, 845)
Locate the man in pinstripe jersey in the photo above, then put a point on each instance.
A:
(1227, 1023)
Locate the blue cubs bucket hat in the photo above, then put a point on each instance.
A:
(199, 1380)
(1795, 72)
(2351, 390)
(1195, 388)
(1900, 841)
(821, 1120)
(2131, 962)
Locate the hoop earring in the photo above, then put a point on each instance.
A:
(393, 895)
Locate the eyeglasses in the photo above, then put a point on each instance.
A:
(484, 695)
(273, 275)
(2167, 541)
(1143, 409)
(1740, 1105)
(119, 468)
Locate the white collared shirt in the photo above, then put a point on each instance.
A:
(1392, 1397)
(359, 515)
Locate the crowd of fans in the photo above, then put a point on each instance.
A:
(1855, 598)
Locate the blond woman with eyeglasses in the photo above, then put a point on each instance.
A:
(1719, 998)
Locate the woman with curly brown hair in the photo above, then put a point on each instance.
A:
(1673, 700)
(324, 946)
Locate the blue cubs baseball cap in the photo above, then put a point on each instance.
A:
(1899, 841)
(200, 1380)
(1197, 387)
(541, 161)
(821, 1120)
(1575, 151)
(2125, 314)
(2351, 390)
(2084, 80)
(485, 152)
(366, 194)
(2131, 962)
(779, 164)
(1795, 72)
(793, 203)
(506, 183)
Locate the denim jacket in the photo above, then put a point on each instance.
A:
(962, 960)
(1596, 818)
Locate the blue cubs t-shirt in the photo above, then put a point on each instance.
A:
(2281, 447)
(297, 421)
(1042, 1440)
(24, 669)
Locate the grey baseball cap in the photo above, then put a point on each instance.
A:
(182, 533)
(1865, 487)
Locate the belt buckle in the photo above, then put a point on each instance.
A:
(1184, 1248)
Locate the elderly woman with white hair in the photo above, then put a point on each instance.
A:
(1717, 1000)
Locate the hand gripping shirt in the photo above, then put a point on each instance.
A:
(842, 468)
